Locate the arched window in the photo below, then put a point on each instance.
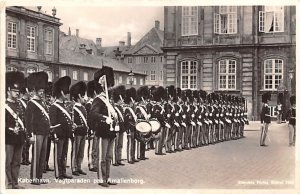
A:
(50, 76)
(189, 74)
(273, 73)
(227, 74)
(30, 70)
(12, 69)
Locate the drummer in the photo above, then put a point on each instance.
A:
(141, 112)
(130, 121)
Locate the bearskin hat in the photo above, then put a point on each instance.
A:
(24, 87)
(90, 89)
(266, 96)
(130, 93)
(189, 95)
(203, 94)
(177, 94)
(62, 84)
(38, 80)
(158, 93)
(143, 92)
(171, 91)
(293, 100)
(108, 71)
(151, 91)
(48, 90)
(78, 88)
(119, 91)
(14, 80)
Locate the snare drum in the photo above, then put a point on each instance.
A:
(143, 130)
(155, 124)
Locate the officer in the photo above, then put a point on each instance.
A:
(105, 118)
(62, 123)
(265, 117)
(79, 116)
(14, 129)
(38, 125)
(291, 115)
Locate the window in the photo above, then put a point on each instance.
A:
(128, 80)
(30, 70)
(141, 81)
(49, 41)
(273, 73)
(189, 20)
(138, 60)
(188, 74)
(30, 31)
(152, 76)
(12, 69)
(161, 75)
(50, 76)
(85, 76)
(146, 60)
(146, 73)
(75, 75)
(12, 35)
(271, 19)
(129, 59)
(120, 79)
(225, 22)
(134, 81)
(161, 59)
(153, 59)
(63, 73)
(227, 74)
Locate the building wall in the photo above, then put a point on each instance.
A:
(248, 47)
(19, 57)
(139, 65)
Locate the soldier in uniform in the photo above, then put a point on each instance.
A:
(105, 117)
(79, 116)
(38, 125)
(62, 123)
(48, 102)
(93, 143)
(24, 101)
(291, 115)
(118, 96)
(265, 117)
(130, 120)
(14, 129)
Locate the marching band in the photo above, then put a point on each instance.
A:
(100, 116)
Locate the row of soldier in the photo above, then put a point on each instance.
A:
(164, 119)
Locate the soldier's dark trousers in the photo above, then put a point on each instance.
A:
(13, 159)
(187, 136)
(38, 156)
(107, 146)
(62, 151)
(118, 147)
(48, 152)
(77, 153)
(95, 152)
(130, 146)
(264, 133)
(25, 152)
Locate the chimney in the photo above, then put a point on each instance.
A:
(121, 43)
(69, 31)
(128, 38)
(98, 42)
(157, 24)
(77, 32)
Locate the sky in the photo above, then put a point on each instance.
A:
(111, 23)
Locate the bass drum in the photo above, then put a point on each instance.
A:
(143, 130)
(155, 124)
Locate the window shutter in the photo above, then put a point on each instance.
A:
(216, 23)
(261, 21)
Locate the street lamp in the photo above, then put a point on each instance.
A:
(131, 74)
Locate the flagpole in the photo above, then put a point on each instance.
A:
(107, 98)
